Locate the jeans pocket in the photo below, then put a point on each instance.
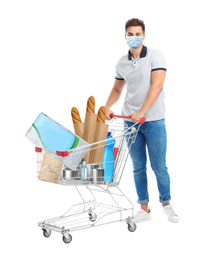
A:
(157, 127)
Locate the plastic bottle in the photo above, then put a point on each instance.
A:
(84, 171)
(108, 158)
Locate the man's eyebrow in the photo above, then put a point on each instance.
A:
(132, 33)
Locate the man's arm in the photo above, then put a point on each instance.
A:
(157, 80)
(114, 96)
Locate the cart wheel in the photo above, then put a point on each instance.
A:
(92, 217)
(46, 233)
(67, 238)
(132, 227)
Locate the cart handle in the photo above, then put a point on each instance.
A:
(141, 121)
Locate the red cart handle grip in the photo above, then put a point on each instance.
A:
(141, 121)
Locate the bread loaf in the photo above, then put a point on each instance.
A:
(91, 105)
(101, 115)
(75, 116)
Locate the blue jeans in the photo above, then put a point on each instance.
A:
(153, 136)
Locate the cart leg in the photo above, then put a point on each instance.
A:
(115, 203)
(127, 200)
(92, 195)
(86, 202)
(81, 196)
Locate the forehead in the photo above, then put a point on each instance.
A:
(134, 29)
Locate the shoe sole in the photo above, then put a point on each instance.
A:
(174, 220)
(134, 221)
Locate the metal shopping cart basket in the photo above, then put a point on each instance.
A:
(99, 177)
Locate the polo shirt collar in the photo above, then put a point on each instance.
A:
(142, 55)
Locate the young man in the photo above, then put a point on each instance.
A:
(143, 71)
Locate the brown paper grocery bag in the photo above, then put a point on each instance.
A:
(50, 169)
(89, 130)
(96, 152)
(78, 129)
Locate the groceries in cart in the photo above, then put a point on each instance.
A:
(50, 169)
(92, 130)
(91, 155)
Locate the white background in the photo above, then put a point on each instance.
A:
(53, 56)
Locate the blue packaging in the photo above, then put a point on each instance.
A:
(108, 158)
(49, 135)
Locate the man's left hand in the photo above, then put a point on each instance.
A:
(136, 117)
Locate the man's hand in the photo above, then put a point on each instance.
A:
(136, 117)
(108, 112)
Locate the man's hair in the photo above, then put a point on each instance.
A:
(135, 22)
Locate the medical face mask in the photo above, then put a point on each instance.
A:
(134, 42)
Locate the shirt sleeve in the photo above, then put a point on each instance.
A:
(158, 62)
(117, 74)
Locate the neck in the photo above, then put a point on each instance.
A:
(135, 53)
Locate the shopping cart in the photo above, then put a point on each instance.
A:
(99, 177)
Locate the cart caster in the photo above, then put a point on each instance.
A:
(92, 216)
(93, 219)
(132, 227)
(46, 232)
(67, 238)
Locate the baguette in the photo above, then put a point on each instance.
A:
(101, 115)
(91, 105)
(75, 116)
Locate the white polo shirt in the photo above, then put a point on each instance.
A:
(137, 75)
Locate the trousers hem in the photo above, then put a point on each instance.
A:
(143, 201)
(165, 201)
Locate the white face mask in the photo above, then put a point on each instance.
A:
(134, 42)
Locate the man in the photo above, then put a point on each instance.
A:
(143, 71)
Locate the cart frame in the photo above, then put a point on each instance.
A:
(92, 213)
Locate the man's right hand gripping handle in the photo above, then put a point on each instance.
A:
(108, 113)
